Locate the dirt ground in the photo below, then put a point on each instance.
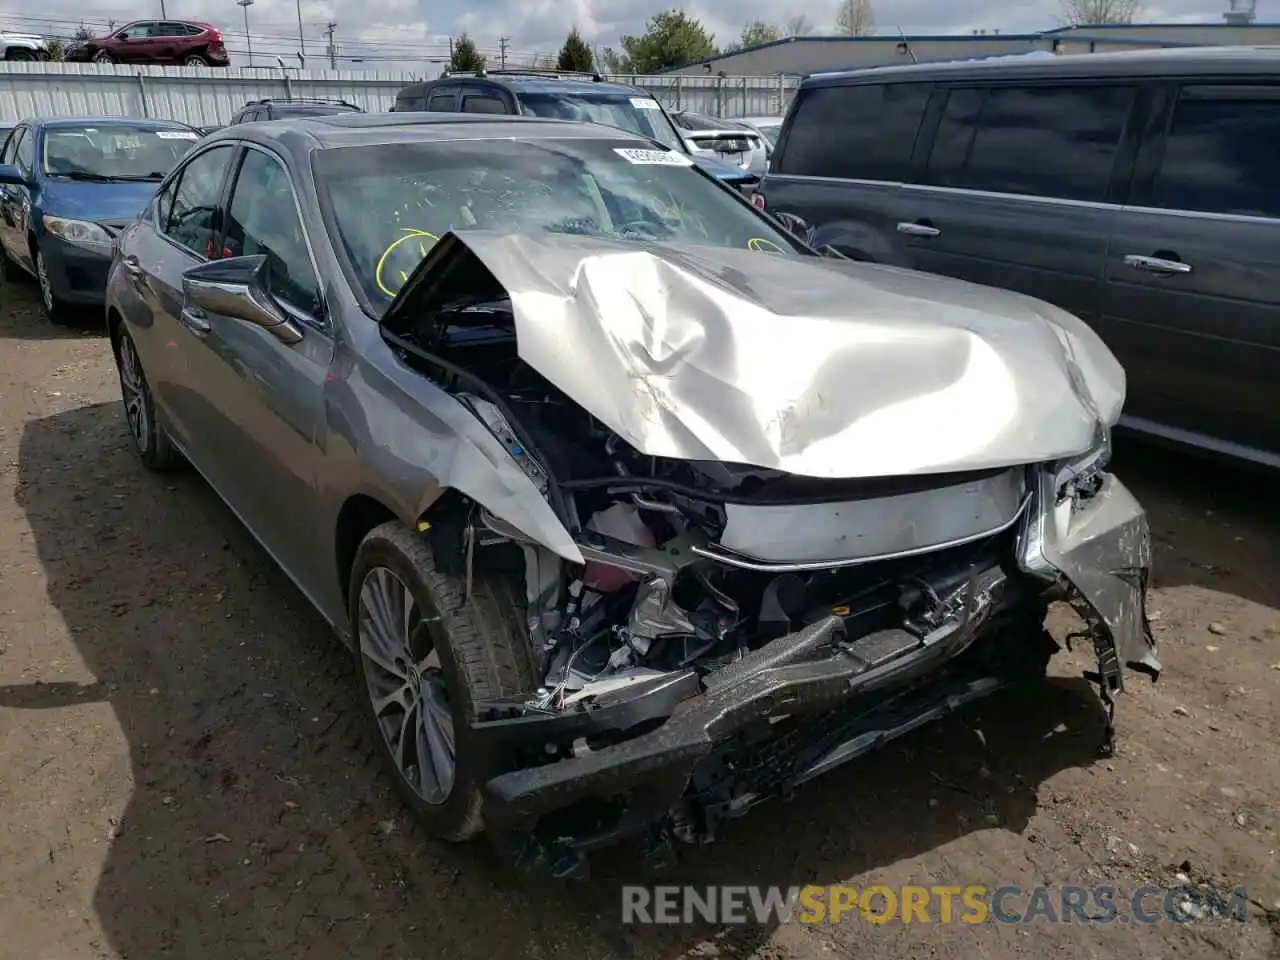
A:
(182, 773)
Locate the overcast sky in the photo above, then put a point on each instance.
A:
(408, 34)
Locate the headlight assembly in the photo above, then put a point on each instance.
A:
(81, 233)
(1082, 476)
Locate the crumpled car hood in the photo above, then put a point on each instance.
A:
(815, 366)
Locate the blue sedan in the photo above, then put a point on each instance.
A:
(67, 186)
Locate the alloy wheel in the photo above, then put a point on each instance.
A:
(406, 685)
(133, 388)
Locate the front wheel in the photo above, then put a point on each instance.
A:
(103, 57)
(55, 310)
(150, 441)
(425, 656)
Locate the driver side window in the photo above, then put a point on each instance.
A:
(191, 218)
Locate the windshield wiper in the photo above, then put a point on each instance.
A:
(81, 175)
(156, 177)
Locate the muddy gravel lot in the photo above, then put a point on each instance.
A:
(183, 772)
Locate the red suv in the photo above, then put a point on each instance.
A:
(156, 41)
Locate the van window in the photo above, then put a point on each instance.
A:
(861, 132)
(1040, 141)
(483, 103)
(443, 100)
(1220, 156)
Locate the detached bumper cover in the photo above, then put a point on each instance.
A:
(1102, 547)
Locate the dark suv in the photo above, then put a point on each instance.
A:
(1136, 190)
(278, 109)
(562, 95)
(188, 42)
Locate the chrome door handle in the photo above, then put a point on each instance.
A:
(1156, 264)
(919, 230)
(195, 320)
(133, 265)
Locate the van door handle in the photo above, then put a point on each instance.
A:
(919, 229)
(1155, 264)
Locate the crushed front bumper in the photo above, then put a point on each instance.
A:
(651, 742)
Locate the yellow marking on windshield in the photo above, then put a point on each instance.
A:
(410, 233)
(762, 245)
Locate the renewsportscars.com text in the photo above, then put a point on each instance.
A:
(971, 904)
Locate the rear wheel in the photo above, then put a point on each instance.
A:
(195, 60)
(152, 444)
(425, 656)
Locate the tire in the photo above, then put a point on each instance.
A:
(150, 442)
(20, 55)
(481, 650)
(103, 57)
(195, 60)
(54, 310)
(10, 272)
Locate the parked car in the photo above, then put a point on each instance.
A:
(612, 504)
(210, 128)
(1133, 189)
(188, 42)
(277, 108)
(23, 46)
(767, 127)
(722, 140)
(564, 96)
(67, 187)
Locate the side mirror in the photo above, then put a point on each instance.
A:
(239, 287)
(10, 175)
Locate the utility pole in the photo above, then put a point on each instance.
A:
(333, 51)
(502, 50)
(302, 43)
(245, 5)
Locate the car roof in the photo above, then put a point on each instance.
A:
(538, 83)
(303, 134)
(55, 123)
(1177, 61)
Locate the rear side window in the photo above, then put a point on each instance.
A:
(863, 132)
(482, 103)
(1221, 153)
(1040, 141)
(443, 101)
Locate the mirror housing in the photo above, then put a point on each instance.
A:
(11, 176)
(239, 287)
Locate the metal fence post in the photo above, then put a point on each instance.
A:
(142, 93)
(679, 94)
(782, 96)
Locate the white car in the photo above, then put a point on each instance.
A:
(723, 140)
(22, 46)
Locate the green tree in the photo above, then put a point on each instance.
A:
(614, 62)
(754, 34)
(671, 39)
(82, 33)
(57, 48)
(575, 54)
(465, 57)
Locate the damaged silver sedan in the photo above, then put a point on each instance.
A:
(636, 511)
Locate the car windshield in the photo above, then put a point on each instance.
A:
(387, 205)
(635, 114)
(117, 152)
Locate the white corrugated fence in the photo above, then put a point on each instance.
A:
(204, 96)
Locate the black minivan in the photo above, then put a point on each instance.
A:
(1137, 190)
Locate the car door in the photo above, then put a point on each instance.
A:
(10, 202)
(23, 200)
(177, 234)
(135, 43)
(1017, 189)
(1191, 301)
(263, 396)
(169, 39)
(841, 165)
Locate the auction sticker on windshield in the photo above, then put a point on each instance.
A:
(176, 135)
(644, 103)
(663, 158)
